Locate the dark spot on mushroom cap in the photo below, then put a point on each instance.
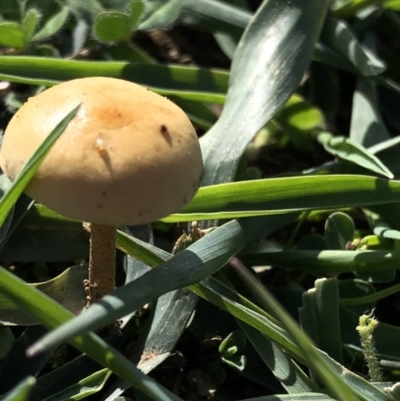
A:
(166, 134)
(103, 193)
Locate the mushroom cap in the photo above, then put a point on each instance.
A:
(129, 156)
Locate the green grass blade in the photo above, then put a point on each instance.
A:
(338, 35)
(84, 388)
(232, 303)
(319, 317)
(22, 392)
(289, 373)
(20, 183)
(311, 354)
(163, 16)
(266, 69)
(348, 149)
(215, 292)
(346, 9)
(327, 262)
(371, 298)
(195, 263)
(190, 266)
(367, 127)
(282, 195)
(51, 314)
(193, 83)
(218, 16)
(291, 397)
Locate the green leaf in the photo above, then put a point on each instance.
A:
(227, 43)
(319, 317)
(324, 54)
(367, 127)
(52, 25)
(297, 397)
(84, 388)
(392, 4)
(46, 50)
(284, 368)
(338, 35)
(111, 26)
(377, 276)
(387, 152)
(171, 316)
(216, 16)
(230, 301)
(235, 361)
(297, 119)
(231, 349)
(163, 16)
(351, 289)
(326, 262)
(380, 227)
(349, 150)
(339, 230)
(28, 171)
(204, 257)
(86, 10)
(311, 354)
(237, 235)
(266, 69)
(193, 83)
(348, 8)
(22, 392)
(30, 23)
(6, 341)
(288, 194)
(233, 343)
(136, 10)
(11, 35)
(193, 264)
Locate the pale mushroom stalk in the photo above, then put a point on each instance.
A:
(102, 255)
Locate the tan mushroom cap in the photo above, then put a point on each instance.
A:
(129, 156)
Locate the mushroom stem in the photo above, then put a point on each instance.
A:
(101, 261)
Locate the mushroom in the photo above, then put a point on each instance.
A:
(129, 156)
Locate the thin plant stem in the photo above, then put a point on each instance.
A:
(302, 220)
(376, 296)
